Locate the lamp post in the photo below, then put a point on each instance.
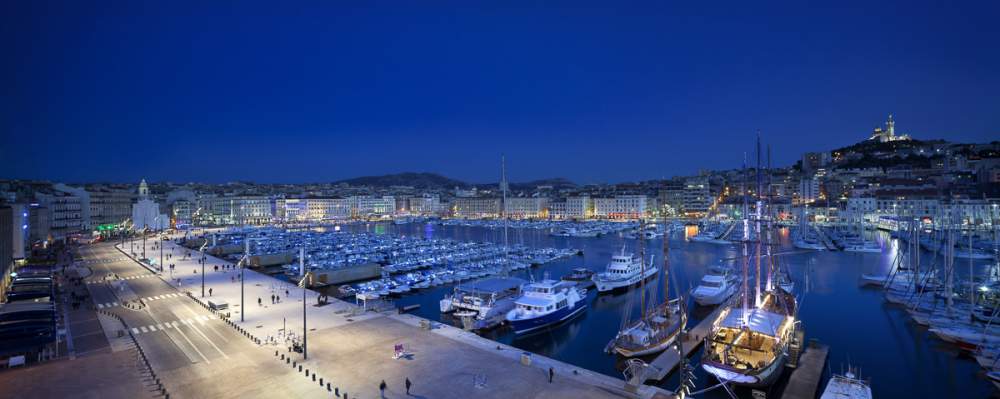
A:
(202, 260)
(242, 266)
(144, 241)
(302, 283)
(159, 242)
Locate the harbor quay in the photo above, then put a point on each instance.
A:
(355, 350)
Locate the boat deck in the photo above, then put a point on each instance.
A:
(668, 360)
(806, 378)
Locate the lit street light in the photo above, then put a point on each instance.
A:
(202, 260)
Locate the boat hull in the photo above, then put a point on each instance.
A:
(612, 285)
(524, 326)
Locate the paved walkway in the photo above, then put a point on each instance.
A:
(354, 348)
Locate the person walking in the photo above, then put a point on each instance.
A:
(209, 292)
(552, 373)
(408, 384)
(272, 299)
(381, 389)
(260, 302)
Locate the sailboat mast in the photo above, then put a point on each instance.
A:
(503, 213)
(746, 238)
(642, 276)
(666, 269)
(770, 227)
(758, 204)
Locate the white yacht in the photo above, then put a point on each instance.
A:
(485, 301)
(847, 386)
(718, 285)
(623, 271)
(546, 303)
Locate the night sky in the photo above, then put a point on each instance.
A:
(320, 91)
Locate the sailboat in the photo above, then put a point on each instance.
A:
(748, 343)
(657, 327)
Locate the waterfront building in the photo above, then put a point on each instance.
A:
(84, 199)
(476, 207)
(579, 207)
(182, 205)
(146, 212)
(557, 209)
(64, 214)
(975, 212)
(237, 210)
(920, 204)
(697, 198)
(7, 233)
(427, 204)
(366, 205)
(109, 206)
(810, 189)
(526, 208)
(623, 207)
(671, 195)
(39, 224)
(861, 209)
(182, 212)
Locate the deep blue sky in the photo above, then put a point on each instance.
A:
(115, 91)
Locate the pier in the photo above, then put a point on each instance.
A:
(826, 240)
(805, 379)
(668, 360)
(729, 230)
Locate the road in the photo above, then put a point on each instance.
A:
(196, 353)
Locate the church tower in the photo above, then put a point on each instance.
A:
(890, 127)
(143, 189)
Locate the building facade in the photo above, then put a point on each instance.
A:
(476, 207)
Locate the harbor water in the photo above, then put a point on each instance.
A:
(900, 358)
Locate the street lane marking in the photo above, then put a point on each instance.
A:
(160, 326)
(152, 328)
(143, 329)
(135, 330)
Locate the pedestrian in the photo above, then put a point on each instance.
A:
(209, 292)
(216, 267)
(286, 292)
(408, 384)
(552, 373)
(260, 302)
(272, 299)
(381, 389)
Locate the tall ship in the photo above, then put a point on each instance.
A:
(624, 270)
(546, 303)
(749, 341)
(658, 326)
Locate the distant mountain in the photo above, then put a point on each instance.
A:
(416, 180)
(436, 181)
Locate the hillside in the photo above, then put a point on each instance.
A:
(436, 181)
(416, 180)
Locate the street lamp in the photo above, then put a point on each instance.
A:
(156, 223)
(242, 266)
(202, 260)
